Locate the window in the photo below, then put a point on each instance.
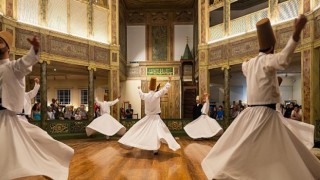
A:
(64, 96)
(84, 96)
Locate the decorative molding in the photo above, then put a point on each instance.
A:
(114, 27)
(9, 8)
(306, 31)
(41, 60)
(136, 17)
(68, 48)
(306, 6)
(317, 27)
(216, 54)
(283, 35)
(102, 55)
(21, 41)
(183, 16)
(92, 67)
(114, 57)
(203, 22)
(243, 47)
(133, 71)
(159, 17)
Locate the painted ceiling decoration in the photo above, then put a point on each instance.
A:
(159, 4)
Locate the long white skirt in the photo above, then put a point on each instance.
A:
(258, 145)
(27, 150)
(106, 125)
(303, 131)
(203, 127)
(148, 133)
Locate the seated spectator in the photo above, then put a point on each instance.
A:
(122, 113)
(288, 111)
(59, 115)
(36, 112)
(77, 115)
(68, 113)
(96, 109)
(296, 113)
(129, 112)
(50, 113)
(235, 111)
(220, 113)
(83, 112)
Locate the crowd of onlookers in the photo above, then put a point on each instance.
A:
(61, 112)
(217, 112)
(126, 113)
(290, 110)
(58, 111)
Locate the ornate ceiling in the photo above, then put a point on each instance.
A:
(159, 4)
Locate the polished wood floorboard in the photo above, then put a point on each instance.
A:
(105, 159)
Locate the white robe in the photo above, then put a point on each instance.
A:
(26, 149)
(105, 124)
(28, 98)
(303, 131)
(203, 126)
(258, 144)
(150, 131)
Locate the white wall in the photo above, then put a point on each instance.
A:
(129, 92)
(136, 43)
(286, 93)
(180, 40)
(296, 94)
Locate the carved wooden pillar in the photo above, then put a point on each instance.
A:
(91, 97)
(310, 69)
(90, 18)
(203, 21)
(226, 17)
(226, 105)
(114, 91)
(114, 19)
(43, 92)
(273, 10)
(204, 76)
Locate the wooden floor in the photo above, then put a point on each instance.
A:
(105, 159)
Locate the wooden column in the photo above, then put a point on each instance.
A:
(91, 93)
(226, 116)
(226, 17)
(114, 91)
(273, 10)
(43, 92)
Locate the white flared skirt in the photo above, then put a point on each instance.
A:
(259, 145)
(148, 133)
(106, 125)
(27, 150)
(203, 127)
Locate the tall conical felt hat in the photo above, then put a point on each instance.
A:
(153, 83)
(198, 98)
(265, 34)
(279, 80)
(7, 37)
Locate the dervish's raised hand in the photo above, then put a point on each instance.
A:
(36, 80)
(298, 26)
(35, 43)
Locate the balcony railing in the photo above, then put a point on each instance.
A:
(286, 11)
